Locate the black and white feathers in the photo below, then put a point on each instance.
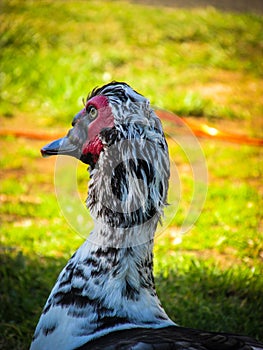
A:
(105, 296)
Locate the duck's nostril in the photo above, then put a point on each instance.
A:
(74, 121)
(78, 116)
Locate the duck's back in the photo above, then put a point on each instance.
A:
(172, 338)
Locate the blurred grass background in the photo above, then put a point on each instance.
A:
(201, 63)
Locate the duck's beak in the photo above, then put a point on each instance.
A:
(62, 146)
(72, 143)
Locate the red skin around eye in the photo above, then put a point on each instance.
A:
(104, 119)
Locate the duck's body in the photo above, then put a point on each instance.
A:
(105, 297)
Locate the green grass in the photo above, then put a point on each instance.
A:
(202, 63)
(154, 49)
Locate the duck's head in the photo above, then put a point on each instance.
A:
(121, 138)
(106, 110)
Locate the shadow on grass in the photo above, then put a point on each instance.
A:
(205, 297)
(201, 297)
(25, 285)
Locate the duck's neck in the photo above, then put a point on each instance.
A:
(121, 276)
(118, 285)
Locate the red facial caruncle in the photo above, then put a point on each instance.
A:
(103, 119)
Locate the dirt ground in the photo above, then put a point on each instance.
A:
(254, 6)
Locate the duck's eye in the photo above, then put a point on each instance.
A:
(93, 112)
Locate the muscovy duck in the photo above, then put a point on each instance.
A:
(105, 297)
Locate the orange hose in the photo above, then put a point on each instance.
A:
(203, 130)
(30, 134)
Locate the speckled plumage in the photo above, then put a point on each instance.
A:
(108, 283)
(105, 297)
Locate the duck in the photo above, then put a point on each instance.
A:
(105, 296)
